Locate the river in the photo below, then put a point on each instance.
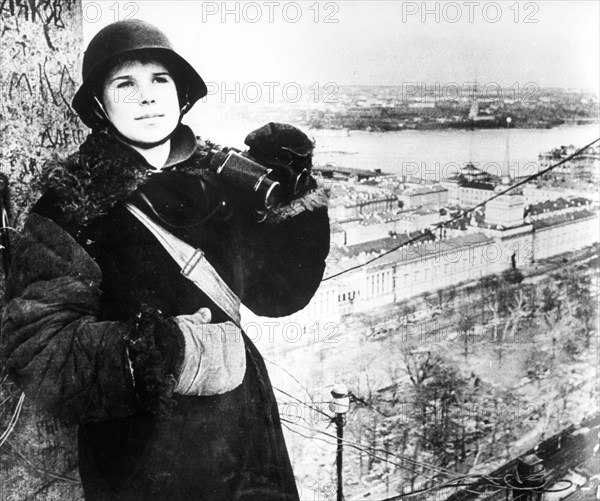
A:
(426, 153)
(430, 153)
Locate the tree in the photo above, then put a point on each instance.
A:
(437, 388)
(487, 288)
(587, 314)
(549, 299)
(536, 364)
(512, 276)
(465, 327)
(517, 308)
(531, 297)
(498, 304)
(406, 309)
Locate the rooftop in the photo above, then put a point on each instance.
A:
(423, 190)
(563, 218)
(425, 248)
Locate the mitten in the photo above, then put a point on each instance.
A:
(215, 355)
(288, 151)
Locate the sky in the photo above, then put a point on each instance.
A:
(548, 43)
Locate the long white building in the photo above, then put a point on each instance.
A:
(411, 271)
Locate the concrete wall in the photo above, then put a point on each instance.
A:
(40, 47)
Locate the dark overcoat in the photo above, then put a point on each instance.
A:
(88, 331)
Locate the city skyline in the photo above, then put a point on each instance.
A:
(549, 43)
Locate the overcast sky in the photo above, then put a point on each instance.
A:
(549, 43)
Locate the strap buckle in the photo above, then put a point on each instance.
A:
(197, 256)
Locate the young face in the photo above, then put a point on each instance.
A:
(140, 99)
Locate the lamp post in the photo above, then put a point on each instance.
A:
(340, 404)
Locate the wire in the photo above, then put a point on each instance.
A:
(508, 486)
(464, 212)
(313, 418)
(360, 400)
(540, 488)
(357, 447)
(369, 261)
(490, 481)
(360, 447)
(294, 378)
(316, 409)
(56, 476)
(13, 420)
(286, 423)
(402, 458)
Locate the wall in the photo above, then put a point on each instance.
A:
(40, 47)
(40, 43)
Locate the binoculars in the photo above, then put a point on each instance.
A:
(259, 186)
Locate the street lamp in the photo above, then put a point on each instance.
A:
(340, 405)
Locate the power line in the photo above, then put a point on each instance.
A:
(453, 482)
(315, 409)
(464, 212)
(293, 377)
(358, 445)
(361, 447)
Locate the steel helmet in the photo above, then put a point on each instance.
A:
(124, 38)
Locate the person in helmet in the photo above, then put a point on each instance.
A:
(172, 399)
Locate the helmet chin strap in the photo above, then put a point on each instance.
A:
(124, 139)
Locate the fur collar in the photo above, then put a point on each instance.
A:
(102, 173)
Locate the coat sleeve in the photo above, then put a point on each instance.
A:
(53, 345)
(285, 256)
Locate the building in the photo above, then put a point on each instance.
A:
(540, 193)
(585, 167)
(422, 268)
(371, 264)
(471, 193)
(470, 186)
(374, 227)
(419, 219)
(506, 210)
(432, 195)
(377, 204)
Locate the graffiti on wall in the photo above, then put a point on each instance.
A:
(41, 44)
(40, 47)
(47, 13)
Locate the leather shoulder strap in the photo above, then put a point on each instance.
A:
(194, 266)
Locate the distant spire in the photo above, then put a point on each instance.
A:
(474, 111)
(506, 177)
(471, 147)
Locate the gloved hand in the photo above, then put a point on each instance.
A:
(215, 355)
(155, 348)
(288, 151)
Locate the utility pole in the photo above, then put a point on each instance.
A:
(340, 404)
